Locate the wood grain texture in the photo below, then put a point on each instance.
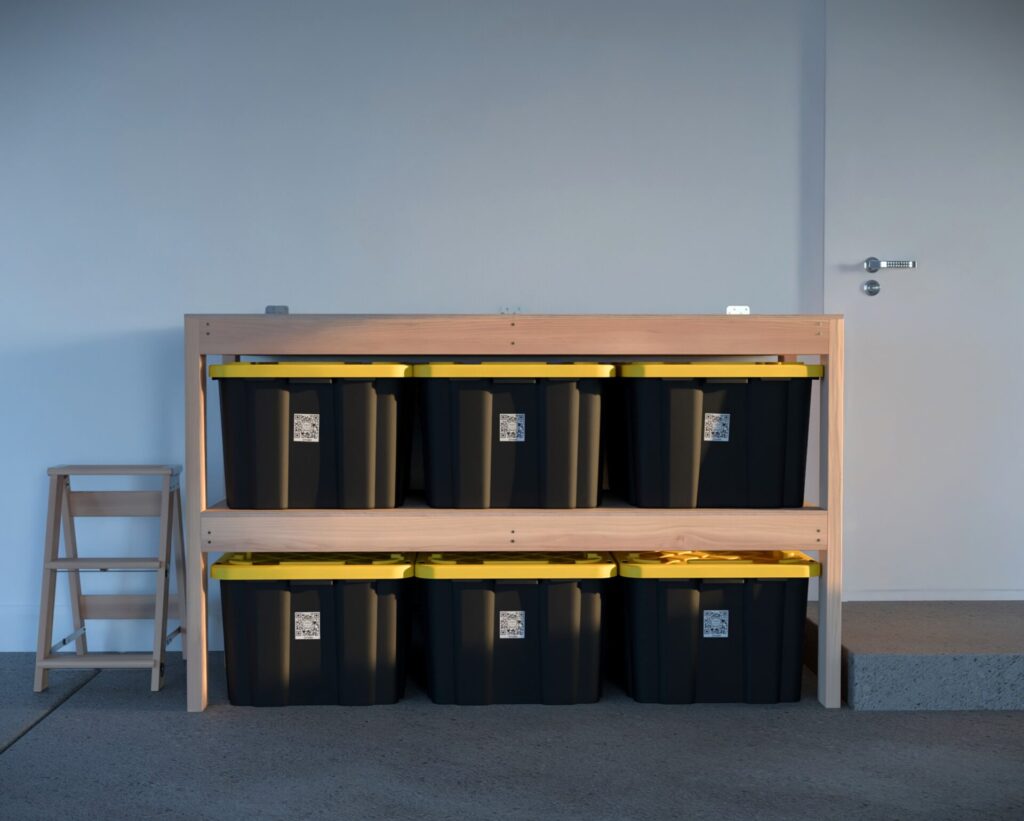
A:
(195, 478)
(468, 335)
(830, 588)
(426, 529)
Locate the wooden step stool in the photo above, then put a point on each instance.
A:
(66, 504)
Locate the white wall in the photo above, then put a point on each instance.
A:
(164, 158)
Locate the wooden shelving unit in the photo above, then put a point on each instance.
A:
(415, 527)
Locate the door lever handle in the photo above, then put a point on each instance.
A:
(873, 264)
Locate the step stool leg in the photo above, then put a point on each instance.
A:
(74, 577)
(51, 544)
(179, 567)
(162, 578)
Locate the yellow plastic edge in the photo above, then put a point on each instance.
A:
(301, 567)
(780, 564)
(440, 566)
(723, 370)
(513, 370)
(310, 370)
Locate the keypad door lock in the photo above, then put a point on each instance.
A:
(873, 264)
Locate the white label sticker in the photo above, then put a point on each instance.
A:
(716, 624)
(307, 625)
(511, 624)
(306, 427)
(512, 427)
(716, 427)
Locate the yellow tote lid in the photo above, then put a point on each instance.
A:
(696, 564)
(721, 370)
(514, 370)
(310, 566)
(515, 566)
(310, 370)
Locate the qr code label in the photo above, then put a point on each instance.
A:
(307, 625)
(512, 427)
(512, 624)
(306, 427)
(716, 624)
(716, 427)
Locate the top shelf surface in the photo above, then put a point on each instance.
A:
(467, 335)
(418, 527)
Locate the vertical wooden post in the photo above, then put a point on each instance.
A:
(830, 598)
(74, 576)
(51, 546)
(179, 578)
(162, 580)
(195, 471)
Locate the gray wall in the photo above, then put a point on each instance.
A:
(163, 158)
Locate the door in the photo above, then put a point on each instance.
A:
(925, 160)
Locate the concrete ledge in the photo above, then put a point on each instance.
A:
(930, 655)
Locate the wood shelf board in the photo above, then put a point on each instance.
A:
(467, 335)
(419, 528)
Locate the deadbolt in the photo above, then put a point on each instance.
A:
(871, 287)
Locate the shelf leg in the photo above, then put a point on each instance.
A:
(830, 588)
(195, 500)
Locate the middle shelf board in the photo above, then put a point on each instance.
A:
(416, 527)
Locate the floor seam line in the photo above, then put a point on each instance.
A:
(53, 708)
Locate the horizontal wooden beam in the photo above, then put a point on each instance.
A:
(414, 528)
(469, 335)
(115, 502)
(124, 606)
(88, 661)
(114, 470)
(105, 563)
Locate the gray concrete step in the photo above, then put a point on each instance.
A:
(953, 655)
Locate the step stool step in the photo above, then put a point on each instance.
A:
(108, 563)
(115, 503)
(114, 470)
(126, 606)
(89, 661)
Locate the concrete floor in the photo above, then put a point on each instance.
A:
(114, 750)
